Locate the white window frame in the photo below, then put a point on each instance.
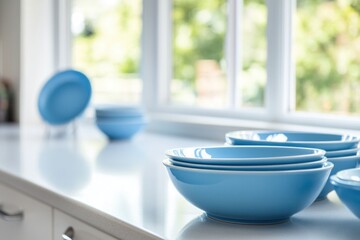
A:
(156, 75)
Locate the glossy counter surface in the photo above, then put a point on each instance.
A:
(122, 188)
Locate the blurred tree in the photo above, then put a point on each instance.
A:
(328, 56)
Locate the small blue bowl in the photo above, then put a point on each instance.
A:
(115, 111)
(275, 167)
(348, 194)
(120, 129)
(328, 142)
(245, 155)
(340, 163)
(123, 118)
(249, 197)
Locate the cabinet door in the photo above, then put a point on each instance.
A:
(69, 228)
(23, 218)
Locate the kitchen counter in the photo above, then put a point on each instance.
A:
(123, 189)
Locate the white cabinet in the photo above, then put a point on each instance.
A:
(75, 229)
(23, 218)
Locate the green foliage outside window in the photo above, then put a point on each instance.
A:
(327, 50)
(326, 47)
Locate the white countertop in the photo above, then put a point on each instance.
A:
(123, 189)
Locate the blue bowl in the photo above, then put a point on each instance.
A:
(275, 167)
(340, 163)
(122, 118)
(245, 155)
(250, 197)
(64, 97)
(348, 194)
(328, 142)
(120, 129)
(343, 153)
(115, 111)
(350, 176)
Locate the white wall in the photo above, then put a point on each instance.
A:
(28, 53)
(37, 54)
(10, 46)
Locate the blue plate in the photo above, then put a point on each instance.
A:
(64, 97)
(328, 142)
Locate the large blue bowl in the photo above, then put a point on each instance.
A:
(64, 97)
(340, 163)
(328, 142)
(349, 195)
(269, 167)
(245, 155)
(250, 197)
(120, 129)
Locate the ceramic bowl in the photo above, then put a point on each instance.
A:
(293, 166)
(120, 129)
(348, 194)
(245, 155)
(123, 118)
(328, 142)
(249, 197)
(343, 153)
(350, 176)
(340, 163)
(116, 111)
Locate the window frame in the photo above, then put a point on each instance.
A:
(156, 74)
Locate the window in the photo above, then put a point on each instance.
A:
(218, 58)
(106, 46)
(198, 49)
(285, 61)
(327, 56)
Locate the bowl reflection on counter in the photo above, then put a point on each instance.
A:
(64, 167)
(203, 227)
(120, 157)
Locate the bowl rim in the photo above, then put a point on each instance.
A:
(325, 167)
(315, 152)
(347, 150)
(353, 138)
(335, 181)
(231, 167)
(338, 174)
(352, 157)
(120, 109)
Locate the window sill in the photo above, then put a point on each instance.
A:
(215, 127)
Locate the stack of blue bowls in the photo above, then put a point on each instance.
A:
(119, 122)
(341, 149)
(249, 184)
(347, 187)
